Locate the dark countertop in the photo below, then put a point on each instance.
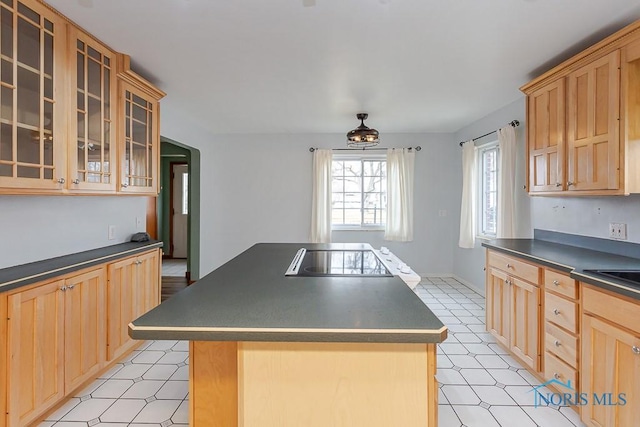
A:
(250, 299)
(573, 260)
(26, 274)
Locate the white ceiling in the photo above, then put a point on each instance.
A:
(296, 66)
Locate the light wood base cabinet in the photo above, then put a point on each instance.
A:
(513, 307)
(272, 384)
(57, 341)
(133, 289)
(611, 360)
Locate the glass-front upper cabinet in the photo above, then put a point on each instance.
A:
(32, 123)
(140, 135)
(92, 154)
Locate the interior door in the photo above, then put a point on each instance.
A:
(180, 185)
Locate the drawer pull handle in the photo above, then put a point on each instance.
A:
(556, 375)
(556, 311)
(557, 343)
(555, 282)
(508, 265)
(636, 350)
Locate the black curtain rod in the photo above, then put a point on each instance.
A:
(312, 149)
(513, 123)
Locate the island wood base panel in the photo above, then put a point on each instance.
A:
(264, 384)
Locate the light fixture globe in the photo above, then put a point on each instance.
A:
(362, 136)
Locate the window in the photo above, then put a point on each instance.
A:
(359, 192)
(185, 193)
(488, 198)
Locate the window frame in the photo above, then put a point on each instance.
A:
(361, 227)
(480, 200)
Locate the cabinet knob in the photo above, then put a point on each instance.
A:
(569, 183)
(558, 184)
(125, 185)
(555, 282)
(556, 311)
(557, 343)
(71, 286)
(61, 180)
(76, 181)
(64, 288)
(508, 265)
(556, 375)
(636, 350)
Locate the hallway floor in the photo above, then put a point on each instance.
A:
(480, 385)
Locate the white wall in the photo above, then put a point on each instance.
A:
(257, 188)
(468, 264)
(589, 216)
(33, 228)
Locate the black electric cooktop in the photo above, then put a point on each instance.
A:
(337, 263)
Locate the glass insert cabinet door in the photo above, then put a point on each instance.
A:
(32, 146)
(140, 150)
(92, 132)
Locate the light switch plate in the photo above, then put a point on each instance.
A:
(112, 232)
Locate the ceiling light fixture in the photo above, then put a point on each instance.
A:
(362, 136)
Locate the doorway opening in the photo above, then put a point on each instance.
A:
(178, 215)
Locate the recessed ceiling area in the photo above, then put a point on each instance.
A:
(308, 66)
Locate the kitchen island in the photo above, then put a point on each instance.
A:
(269, 350)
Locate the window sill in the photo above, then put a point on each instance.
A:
(486, 237)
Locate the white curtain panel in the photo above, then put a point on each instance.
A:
(400, 167)
(506, 182)
(469, 190)
(321, 193)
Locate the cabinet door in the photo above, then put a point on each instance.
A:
(546, 115)
(92, 159)
(525, 322)
(148, 271)
(122, 302)
(497, 297)
(611, 366)
(140, 142)
(36, 352)
(32, 113)
(85, 327)
(593, 142)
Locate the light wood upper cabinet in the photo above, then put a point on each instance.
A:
(593, 143)
(139, 132)
(592, 132)
(546, 137)
(92, 129)
(33, 110)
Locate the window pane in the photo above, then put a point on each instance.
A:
(489, 191)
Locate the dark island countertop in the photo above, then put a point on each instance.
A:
(250, 299)
(574, 260)
(26, 274)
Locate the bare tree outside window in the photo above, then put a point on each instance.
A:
(359, 192)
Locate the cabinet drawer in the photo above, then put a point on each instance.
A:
(561, 311)
(615, 309)
(514, 266)
(555, 368)
(560, 283)
(562, 344)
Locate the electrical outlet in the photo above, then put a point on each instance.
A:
(139, 226)
(618, 231)
(442, 212)
(112, 232)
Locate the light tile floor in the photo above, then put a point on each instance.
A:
(480, 385)
(174, 267)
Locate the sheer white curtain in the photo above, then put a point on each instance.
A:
(469, 190)
(506, 182)
(321, 194)
(400, 167)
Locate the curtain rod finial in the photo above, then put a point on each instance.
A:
(515, 123)
(311, 149)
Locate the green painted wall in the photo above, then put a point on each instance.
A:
(175, 152)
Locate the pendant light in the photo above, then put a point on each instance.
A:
(362, 136)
